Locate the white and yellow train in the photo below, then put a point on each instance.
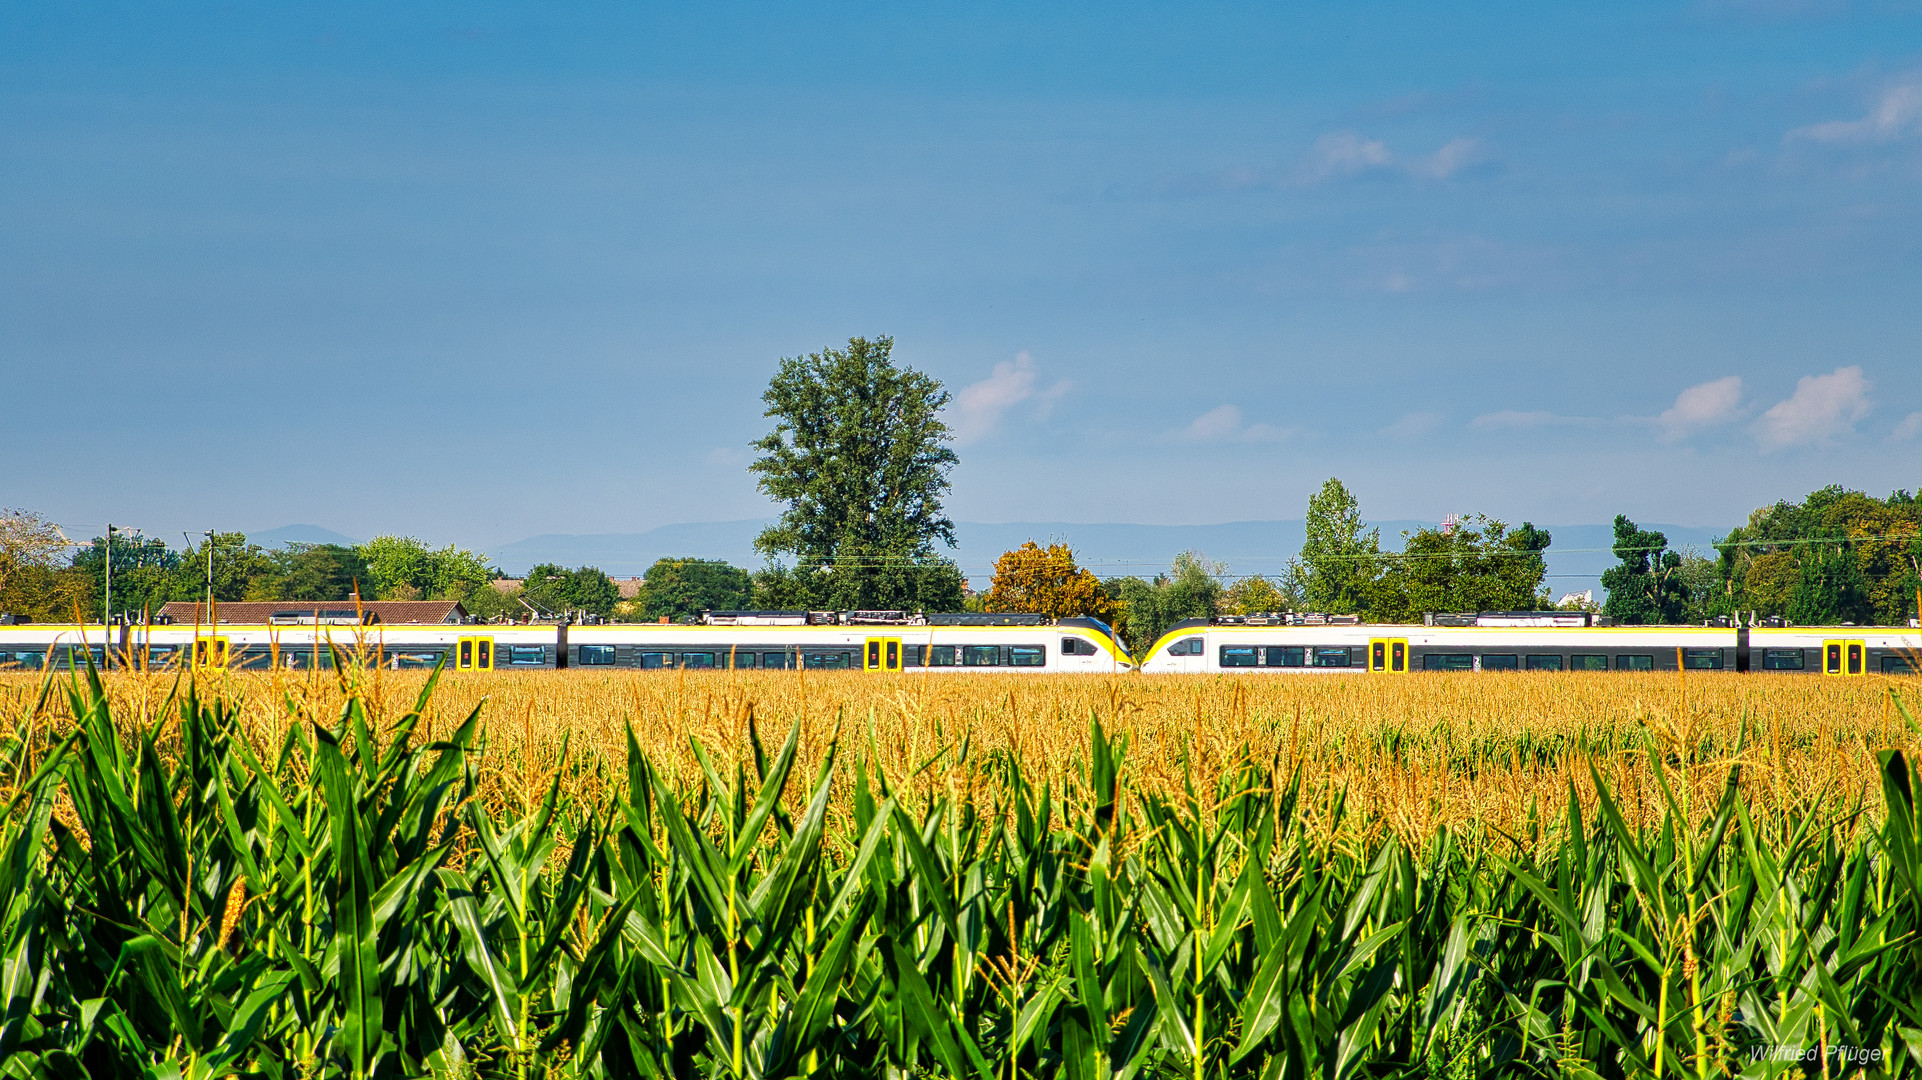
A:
(945, 644)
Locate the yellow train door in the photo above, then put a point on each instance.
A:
(210, 652)
(1388, 655)
(1843, 657)
(474, 654)
(882, 654)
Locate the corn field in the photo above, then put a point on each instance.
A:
(371, 886)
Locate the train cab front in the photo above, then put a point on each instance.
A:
(1089, 644)
(1180, 648)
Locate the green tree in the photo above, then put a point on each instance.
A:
(237, 564)
(1478, 565)
(1191, 589)
(1830, 589)
(555, 589)
(316, 572)
(1646, 587)
(1340, 562)
(680, 588)
(146, 574)
(404, 568)
(1258, 595)
(858, 455)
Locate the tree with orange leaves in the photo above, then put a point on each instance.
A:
(1046, 581)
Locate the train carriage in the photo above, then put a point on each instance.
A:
(1524, 641)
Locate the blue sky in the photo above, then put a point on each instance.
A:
(476, 272)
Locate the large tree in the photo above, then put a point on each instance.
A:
(676, 588)
(1046, 581)
(1340, 560)
(1646, 587)
(859, 457)
(404, 568)
(35, 583)
(1477, 565)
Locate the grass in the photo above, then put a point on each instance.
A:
(849, 875)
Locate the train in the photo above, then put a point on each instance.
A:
(307, 638)
(1498, 641)
(934, 644)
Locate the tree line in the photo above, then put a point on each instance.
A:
(858, 458)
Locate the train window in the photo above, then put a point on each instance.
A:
(1448, 661)
(912, 655)
(777, 660)
(255, 659)
(1327, 657)
(1588, 662)
(941, 655)
(1499, 662)
(1186, 647)
(827, 661)
(980, 655)
(1855, 658)
(1702, 659)
(1238, 656)
(307, 659)
(1899, 665)
(740, 660)
(1284, 656)
(1783, 659)
(157, 655)
(416, 659)
(1074, 646)
(24, 659)
(527, 654)
(1027, 656)
(1542, 662)
(697, 659)
(596, 655)
(1635, 663)
(657, 660)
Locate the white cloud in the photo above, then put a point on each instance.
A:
(1897, 114)
(1344, 153)
(1341, 154)
(1413, 426)
(1823, 409)
(1700, 406)
(1453, 157)
(979, 407)
(1222, 424)
(1908, 430)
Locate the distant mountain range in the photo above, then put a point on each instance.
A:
(1576, 559)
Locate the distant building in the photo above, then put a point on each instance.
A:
(307, 612)
(630, 587)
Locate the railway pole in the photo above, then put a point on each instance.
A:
(106, 603)
(210, 575)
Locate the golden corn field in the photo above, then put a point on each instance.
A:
(1411, 754)
(758, 876)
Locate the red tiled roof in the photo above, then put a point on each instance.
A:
(258, 612)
